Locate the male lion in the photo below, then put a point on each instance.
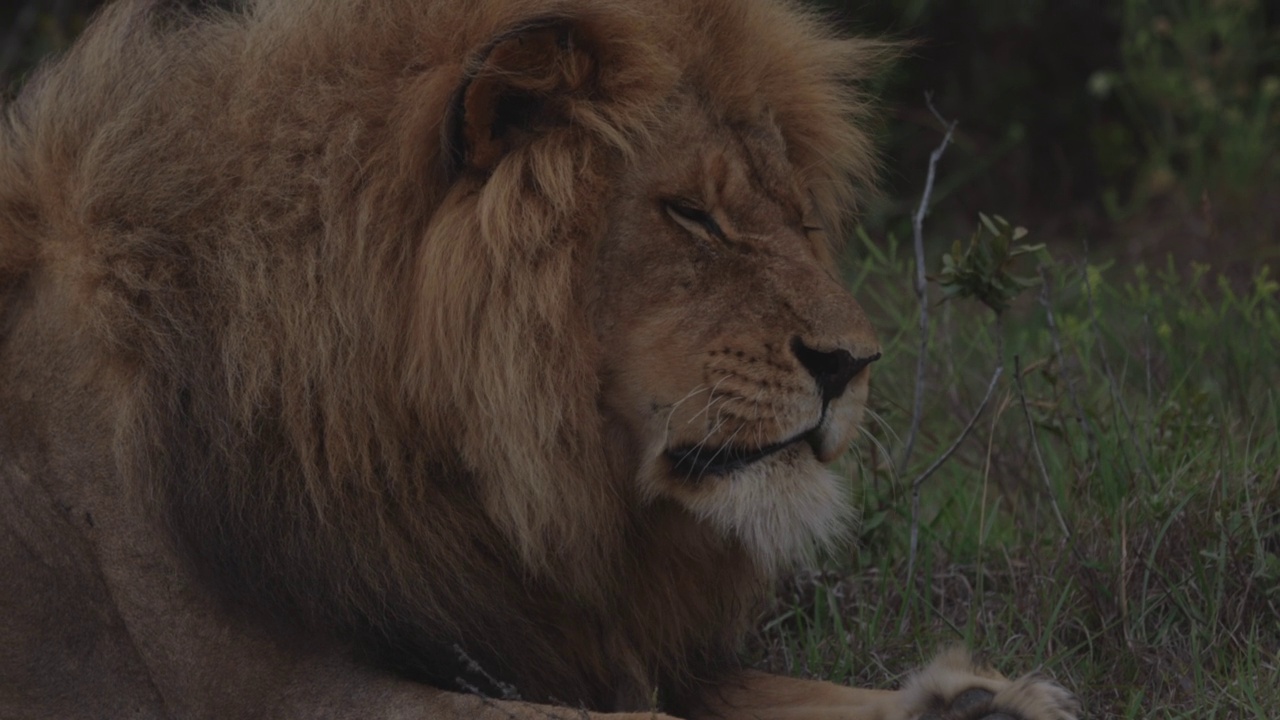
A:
(449, 359)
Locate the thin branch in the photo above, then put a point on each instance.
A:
(922, 288)
(933, 467)
(991, 386)
(1035, 447)
(1083, 562)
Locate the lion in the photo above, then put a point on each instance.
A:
(450, 359)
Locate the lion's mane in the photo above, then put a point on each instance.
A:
(357, 379)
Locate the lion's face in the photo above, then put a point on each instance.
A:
(734, 360)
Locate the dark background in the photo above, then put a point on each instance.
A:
(1137, 128)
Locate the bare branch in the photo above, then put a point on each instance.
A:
(922, 287)
(933, 467)
(991, 386)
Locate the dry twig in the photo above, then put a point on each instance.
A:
(933, 467)
(922, 287)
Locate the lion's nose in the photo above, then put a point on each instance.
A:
(832, 369)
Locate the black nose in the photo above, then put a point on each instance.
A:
(832, 369)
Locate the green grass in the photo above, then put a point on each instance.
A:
(1158, 421)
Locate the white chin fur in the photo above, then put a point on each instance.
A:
(780, 509)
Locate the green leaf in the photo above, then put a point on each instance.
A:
(983, 269)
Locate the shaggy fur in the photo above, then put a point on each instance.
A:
(320, 283)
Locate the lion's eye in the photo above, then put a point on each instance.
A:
(693, 217)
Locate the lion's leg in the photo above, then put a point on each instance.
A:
(774, 697)
(454, 706)
(952, 687)
(330, 688)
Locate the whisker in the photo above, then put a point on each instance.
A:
(724, 445)
(710, 399)
(698, 446)
(883, 424)
(758, 430)
(666, 430)
(880, 447)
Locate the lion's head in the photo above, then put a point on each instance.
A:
(723, 358)
(433, 325)
(733, 359)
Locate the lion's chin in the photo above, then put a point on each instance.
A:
(780, 507)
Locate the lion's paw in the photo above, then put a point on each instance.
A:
(953, 687)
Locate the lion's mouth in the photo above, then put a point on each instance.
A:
(697, 461)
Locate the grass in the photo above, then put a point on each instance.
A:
(1140, 566)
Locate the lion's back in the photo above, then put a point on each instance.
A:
(170, 154)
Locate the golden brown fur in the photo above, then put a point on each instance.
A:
(374, 333)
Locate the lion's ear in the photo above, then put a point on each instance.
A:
(519, 84)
